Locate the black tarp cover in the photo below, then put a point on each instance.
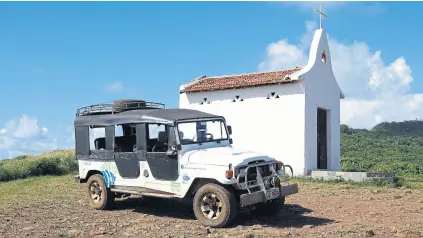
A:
(164, 116)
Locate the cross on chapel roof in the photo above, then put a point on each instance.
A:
(239, 81)
(321, 14)
(205, 83)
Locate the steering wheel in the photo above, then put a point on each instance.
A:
(211, 135)
(154, 148)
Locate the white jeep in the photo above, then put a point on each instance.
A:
(174, 153)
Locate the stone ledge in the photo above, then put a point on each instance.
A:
(353, 176)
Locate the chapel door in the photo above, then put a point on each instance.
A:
(322, 158)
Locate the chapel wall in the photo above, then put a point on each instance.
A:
(266, 119)
(321, 91)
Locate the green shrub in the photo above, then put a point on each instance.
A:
(377, 182)
(58, 162)
(388, 147)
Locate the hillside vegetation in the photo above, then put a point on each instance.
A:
(387, 147)
(58, 162)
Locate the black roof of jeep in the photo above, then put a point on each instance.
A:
(138, 111)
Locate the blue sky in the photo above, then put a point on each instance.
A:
(56, 57)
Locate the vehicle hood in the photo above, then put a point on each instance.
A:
(223, 156)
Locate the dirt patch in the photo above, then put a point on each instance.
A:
(319, 210)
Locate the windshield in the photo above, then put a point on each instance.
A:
(202, 131)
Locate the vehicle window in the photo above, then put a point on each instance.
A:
(97, 138)
(154, 129)
(125, 139)
(118, 130)
(157, 138)
(202, 131)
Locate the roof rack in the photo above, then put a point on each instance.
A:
(117, 106)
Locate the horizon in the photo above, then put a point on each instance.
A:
(72, 148)
(57, 57)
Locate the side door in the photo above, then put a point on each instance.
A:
(125, 153)
(162, 160)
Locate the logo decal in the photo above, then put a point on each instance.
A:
(109, 177)
(185, 179)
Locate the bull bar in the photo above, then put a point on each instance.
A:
(265, 193)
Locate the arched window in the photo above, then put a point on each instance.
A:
(324, 56)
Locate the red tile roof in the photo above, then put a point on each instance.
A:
(239, 81)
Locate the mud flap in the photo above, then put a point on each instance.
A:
(289, 189)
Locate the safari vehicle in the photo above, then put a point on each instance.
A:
(174, 153)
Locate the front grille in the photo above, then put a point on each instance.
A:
(252, 173)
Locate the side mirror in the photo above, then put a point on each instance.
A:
(230, 130)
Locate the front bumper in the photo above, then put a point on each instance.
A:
(263, 196)
(263, 189)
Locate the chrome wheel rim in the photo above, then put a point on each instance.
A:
(211, 206)
(95, 191)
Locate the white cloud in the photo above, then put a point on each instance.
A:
(282, 53)
(24, 135)
(115, 87)
(374, 91)
(27, 127)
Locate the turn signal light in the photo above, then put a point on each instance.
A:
(280, 165)
(229, 174)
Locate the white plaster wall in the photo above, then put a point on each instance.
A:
(322, 91)
(271, 126)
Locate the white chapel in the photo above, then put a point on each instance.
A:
(292, 114)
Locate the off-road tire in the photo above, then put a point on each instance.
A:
(227, 212)
(123, 105)
(106, 197)
(269, 208)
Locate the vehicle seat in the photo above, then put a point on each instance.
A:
(161, 145)
(100, 143)
(125, 143)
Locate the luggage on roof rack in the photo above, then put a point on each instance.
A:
(117, 106)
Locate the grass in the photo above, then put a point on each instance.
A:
(26, 192)
(400, 182)
(48, 189)
(58, 162)
(18, 194)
